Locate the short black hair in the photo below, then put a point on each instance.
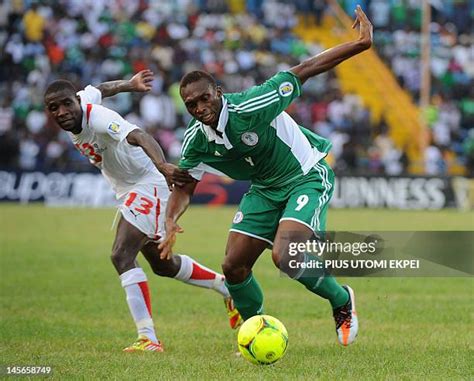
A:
(60, 85)
(195, 76)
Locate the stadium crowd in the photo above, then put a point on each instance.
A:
(241, 44)
(450, 115)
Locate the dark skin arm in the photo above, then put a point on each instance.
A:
(177, 204)
(140, 82)
(332, 57)
(173, 175)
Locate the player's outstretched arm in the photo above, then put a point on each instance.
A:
(140, 82)
(178, 202)
(334, 56)
(172, 173)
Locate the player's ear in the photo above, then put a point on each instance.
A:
(219, 91)
(78, 98)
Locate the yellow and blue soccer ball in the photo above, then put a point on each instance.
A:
(262, 339)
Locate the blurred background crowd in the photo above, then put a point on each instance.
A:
(241, 43)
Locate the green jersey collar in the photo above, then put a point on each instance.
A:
(223, 116)
(223, 119)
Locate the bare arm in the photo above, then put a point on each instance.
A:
(153, 150)
(178, 202)
(140, 82)
(334, 56)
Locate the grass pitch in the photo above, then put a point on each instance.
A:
(62, 306)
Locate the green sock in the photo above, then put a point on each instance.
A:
(248, 297)
(321, 283)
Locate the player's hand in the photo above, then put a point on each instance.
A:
(166, 246)
(141, 81)
(175, 176)
(365, 27)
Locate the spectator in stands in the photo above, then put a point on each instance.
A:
(469, 149)
(34, 24)
(95, 42)
(308, 8)
(399, 43)
(434, 162)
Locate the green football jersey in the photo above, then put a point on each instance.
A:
(256, 139)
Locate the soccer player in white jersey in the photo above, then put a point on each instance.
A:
(133, 163)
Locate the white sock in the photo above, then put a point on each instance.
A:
(135, 283)
(196, 274)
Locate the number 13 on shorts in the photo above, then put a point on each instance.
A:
(143, 207)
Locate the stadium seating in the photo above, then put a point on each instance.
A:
(241, 45)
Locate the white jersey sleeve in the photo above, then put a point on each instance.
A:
(105, 121)
(90, 94)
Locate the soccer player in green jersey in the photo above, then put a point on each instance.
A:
(249, 136)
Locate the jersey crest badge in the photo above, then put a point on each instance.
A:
(249, 138)
(239, 216)
(114, 127)
(285, 89)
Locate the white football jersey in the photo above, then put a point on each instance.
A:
(103, 141)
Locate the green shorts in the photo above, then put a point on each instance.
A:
(305, 200)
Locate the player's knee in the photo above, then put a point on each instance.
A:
(121, 259)
(235, 273)
(282, 259)
(276, 258)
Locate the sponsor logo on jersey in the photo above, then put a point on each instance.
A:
(249, 138)
(285, 89)
(114, 127)
(239, 216)
(134, 215)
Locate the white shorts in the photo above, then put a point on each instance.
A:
(145, 208)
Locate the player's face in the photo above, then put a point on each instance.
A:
(203, 101)
(65, 109)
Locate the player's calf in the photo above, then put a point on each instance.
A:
(241, 253)
(165, 267)
(187, 270)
